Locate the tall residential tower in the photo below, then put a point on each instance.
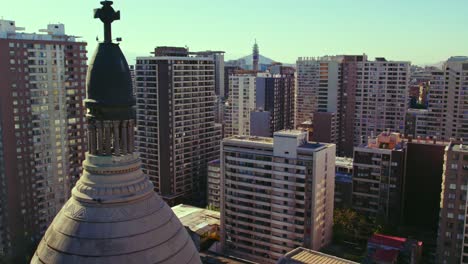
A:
(42, 86)
(176, 132)
(277, 195)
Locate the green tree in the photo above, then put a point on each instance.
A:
(4, 260)
(348, 225)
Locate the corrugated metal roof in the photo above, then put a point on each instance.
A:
(307, 256)
(198, 220)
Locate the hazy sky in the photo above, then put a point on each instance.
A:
(421, 31)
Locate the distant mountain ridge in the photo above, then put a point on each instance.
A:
(262, 60)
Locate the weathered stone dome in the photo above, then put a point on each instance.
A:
(114, 216)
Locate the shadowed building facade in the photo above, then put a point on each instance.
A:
(114, 215)
(176, 131)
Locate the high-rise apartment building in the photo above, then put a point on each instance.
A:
(240, 104)
(259, 104)
(277, 195)
(452, 241)
(424, 162)
(42, 86)
(378, 178)
(445, 117)
(343, 182)
(228, 71)
(278, 68)
(416, 123)
(176, 133)
(367, 97)
(324, 127)
(318, 82)
(218, 59)
(275, 94)
(381, 98)
(132, 74)
(3, 196)
(347, 103)
(214, 184)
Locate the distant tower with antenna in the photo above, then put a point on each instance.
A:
(255, 56)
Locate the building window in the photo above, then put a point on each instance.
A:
(453, 186)
(450, 215)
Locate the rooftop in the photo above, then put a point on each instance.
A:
(306, 256)
(198, 220)
(214, 258)
(180, 58)
(385, 140)
(265, 140)
(458, 58)
(53, 32)
(289, 133)
(344, 162)
(312, 145)
(389, 241)
(459, 147)
(299, 135)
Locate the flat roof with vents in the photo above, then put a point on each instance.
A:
(306, 256)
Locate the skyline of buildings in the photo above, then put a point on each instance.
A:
(181, 108)
(113, 214)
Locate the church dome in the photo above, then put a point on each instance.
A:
(114, 216)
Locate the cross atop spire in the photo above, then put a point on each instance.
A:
(107, 15)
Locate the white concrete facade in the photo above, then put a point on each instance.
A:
(317, 86)
(381, 98)
(277, 195)
(241, 103)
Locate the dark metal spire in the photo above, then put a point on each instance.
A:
(107, 15)
(109, 100)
